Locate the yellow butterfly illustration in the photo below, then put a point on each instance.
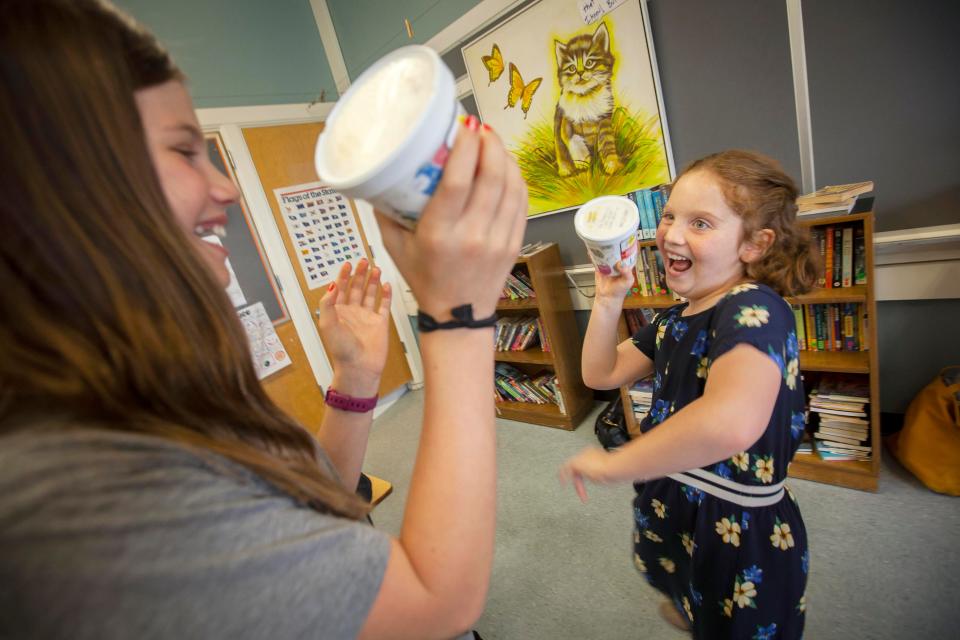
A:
(494, 64)
(521, 92)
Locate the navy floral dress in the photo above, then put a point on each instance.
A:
(726, 543)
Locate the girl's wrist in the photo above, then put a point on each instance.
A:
(359, 384)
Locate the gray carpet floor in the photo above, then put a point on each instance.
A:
(883, 565)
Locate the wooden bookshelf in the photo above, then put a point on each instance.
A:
(855, 474)
(555, 309)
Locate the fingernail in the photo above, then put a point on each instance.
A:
(487, 127)
(473, 123)
(333, 285)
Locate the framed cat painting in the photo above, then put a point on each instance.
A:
(576, 99)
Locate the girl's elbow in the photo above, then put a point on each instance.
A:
(745, 436)
(599, 383)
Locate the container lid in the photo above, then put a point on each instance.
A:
(607, 218)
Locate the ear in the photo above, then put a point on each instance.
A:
(601, 38)
(561, 51)
(754, 248)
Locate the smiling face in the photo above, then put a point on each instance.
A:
(198, 194)
(701, 240)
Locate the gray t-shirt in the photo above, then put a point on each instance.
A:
(111, 535)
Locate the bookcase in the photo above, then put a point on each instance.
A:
(857, 474)
(552, 304)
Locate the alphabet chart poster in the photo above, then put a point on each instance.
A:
(322, 229)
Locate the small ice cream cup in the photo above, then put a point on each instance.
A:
(388, 137)
(608, 227)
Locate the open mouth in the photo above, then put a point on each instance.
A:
(678, 263)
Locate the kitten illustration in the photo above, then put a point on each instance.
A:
(582, 122)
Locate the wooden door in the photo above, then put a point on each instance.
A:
(294, 388)
(283, 156)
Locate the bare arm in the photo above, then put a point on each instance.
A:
(731, 415)
(354, 326)
(605, 364)
(438, 572)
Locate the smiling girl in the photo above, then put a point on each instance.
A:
(716, 530)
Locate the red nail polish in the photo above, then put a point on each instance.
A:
(333, 285)
(487, 127)
(473, 123)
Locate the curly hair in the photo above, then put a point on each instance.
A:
(764, 196)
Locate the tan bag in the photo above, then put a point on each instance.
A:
(929, 443)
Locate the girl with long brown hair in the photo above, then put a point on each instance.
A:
(716, 530)
(149, 485)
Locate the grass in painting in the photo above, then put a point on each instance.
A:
(639, 143)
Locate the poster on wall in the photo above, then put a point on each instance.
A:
(322, 228)
(571, 88)
(269, 354)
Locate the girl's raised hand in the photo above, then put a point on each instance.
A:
(470, 232)
(616, 285)
(354, 325)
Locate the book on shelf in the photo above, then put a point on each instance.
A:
(513, 385)
(517, 286)
(837, 192)
(859, 256)
(641, 398)
(846, 257)
(828, 258)
(516, 334)
(832, 200)
(834, 326)
(650, 273)
(831, 454)
(839, 403)
(843, 387)
(650, 207)
(531, 248)
(542, 333)
(837, 257)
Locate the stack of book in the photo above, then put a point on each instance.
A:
(641, 396)
(513, 385)
(832, 200)
(843, 427)
(842, 254)
(517, 286)
(517, 334)
(650, 203)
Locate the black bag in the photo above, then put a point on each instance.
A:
(611, 426)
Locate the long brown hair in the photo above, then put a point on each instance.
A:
(764, 196)
(110, 319)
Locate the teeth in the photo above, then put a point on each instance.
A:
(217, 230)
(674, 256)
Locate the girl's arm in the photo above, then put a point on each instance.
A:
(728, 418)
(467, 241)
(605, 364)
(354, 327)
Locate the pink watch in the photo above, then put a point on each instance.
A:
(344, 402)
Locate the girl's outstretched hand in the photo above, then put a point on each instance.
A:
(470, 232)
(354, 325)
(616, 285)
(591, 464)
